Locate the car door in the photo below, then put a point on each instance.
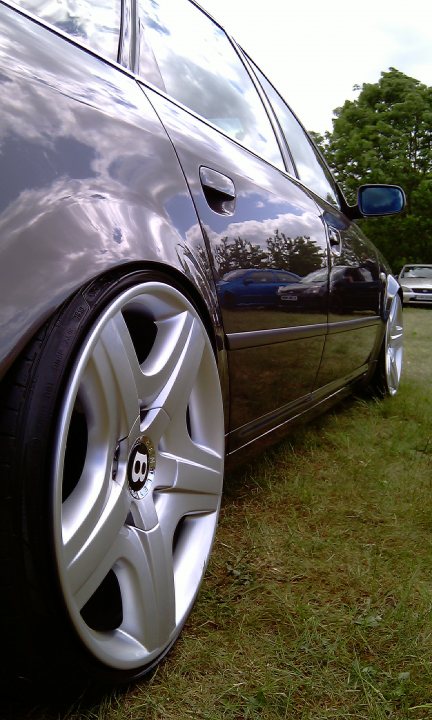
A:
(257, 288)
(253, 214)
(355, 288)
(354, 302)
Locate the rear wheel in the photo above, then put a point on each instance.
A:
(112, 449)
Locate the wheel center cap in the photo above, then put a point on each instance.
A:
(141, 467)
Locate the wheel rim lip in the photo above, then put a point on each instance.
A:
(118, 652)
(394, 346)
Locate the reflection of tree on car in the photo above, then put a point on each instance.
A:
(123, 381)
(299, 255)
(253, 286)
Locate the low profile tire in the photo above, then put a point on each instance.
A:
(389, 368)
(112, 447)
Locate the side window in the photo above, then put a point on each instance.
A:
(311, 170)
(201, 69)
(261, 277)
(95, 23)
(286, 277)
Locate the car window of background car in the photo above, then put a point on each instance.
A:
(311, 169)
(95, 23)
(201, 69)
(416, 271)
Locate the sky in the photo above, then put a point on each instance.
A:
(316, 51)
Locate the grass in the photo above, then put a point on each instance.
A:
(318, 600)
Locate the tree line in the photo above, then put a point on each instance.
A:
(385, 136)
(300, 254)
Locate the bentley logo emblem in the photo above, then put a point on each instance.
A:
(141, 467)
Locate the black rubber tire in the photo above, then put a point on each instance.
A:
(38, 637)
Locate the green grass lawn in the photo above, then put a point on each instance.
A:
(318, 599)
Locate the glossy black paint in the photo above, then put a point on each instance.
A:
(89, 181)
(103, 171)
(269, 215)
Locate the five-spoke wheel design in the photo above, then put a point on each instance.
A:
(393, 347)
(137, 476)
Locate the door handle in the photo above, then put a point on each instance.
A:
(219, 191)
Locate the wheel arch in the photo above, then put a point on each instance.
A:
(99, 293)
(392, 288)
(206, 306)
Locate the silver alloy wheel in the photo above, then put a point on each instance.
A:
(394, 346)
(138, 475)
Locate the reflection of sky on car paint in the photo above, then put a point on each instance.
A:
(230, 100)
(82, 19)
(64, 157)
(263, 214)
(254, 230)
(86, 166)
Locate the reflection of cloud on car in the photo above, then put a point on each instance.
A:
(157, 219)
(254, 286)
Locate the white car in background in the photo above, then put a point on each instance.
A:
(416, 283)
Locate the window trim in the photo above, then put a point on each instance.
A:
(290, 165)
(252, 64)
(128, 34)
(159, 87)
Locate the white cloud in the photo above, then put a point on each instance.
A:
(255, 231)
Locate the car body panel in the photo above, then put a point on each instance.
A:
(255, 287)
(73, 203)
(274, 211)
(355, 301)
(176, 291)
(76, 206)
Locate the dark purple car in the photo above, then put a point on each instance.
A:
(145, 161)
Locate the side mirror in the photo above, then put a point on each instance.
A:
(378, 200)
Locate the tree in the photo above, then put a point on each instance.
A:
(385, 136)
(239, 253)
(300, 255)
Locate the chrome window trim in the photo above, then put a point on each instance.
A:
(128, 34)
(291, 169)
(285, 140)
(160, 89)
